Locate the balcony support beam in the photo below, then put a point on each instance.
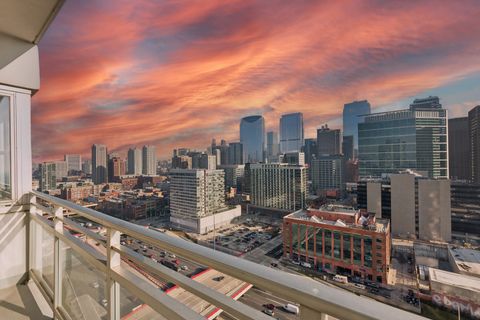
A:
(57, 260)
(113, 287)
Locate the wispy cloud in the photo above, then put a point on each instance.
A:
(177, 73)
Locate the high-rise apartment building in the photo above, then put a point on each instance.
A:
(87, 166)
(310, 150)
(208, 162)
(328, 174)
(415, 138)
(353, 114)
(99, 164)
(277, 186)
(74, 162)
(474, 128)
(61, 169)
(135, 162)
(273, 146)
(252, 136)
(149, 160)
(48, 177)
(235, 153)
(116, 168)
(234, 174)
(291, 132)
(197, 200)
(297, 158)
(328, 141)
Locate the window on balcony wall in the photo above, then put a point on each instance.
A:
(5, 175)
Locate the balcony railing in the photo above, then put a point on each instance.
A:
(93, 279)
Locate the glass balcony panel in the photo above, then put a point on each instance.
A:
(5, 170)
(43, 253)
(131, 307)
(83, 287)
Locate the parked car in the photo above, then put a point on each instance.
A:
(269, 312)
(291, 308)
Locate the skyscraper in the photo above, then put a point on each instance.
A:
(135, 163)
(74, 162)
(116, 168)
(99, 164)
(48, 178)
(149, 160)
(474, 128)
(87, 166)
(310, 150)
(414, 138)
(459, 155)
(328, 174)
(273, 146)
(347, 148)
(277, 186)
(235, 153)
(291, 132)
(352, 115)
(252, 136)
(328, 141)
(61, 169)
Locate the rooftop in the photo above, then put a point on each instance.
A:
(455, 279)
(467, 260)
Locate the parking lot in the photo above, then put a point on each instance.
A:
(240, 239)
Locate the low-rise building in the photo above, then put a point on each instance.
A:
(340, 240)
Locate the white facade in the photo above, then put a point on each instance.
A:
(134, 160)
(74, 162)
(99, 164)
(149, 159)
(208, 223)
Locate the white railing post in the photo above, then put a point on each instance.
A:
(31, 241)
(57, 261)
(113, 287)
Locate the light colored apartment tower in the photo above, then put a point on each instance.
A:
(208, 162)
(74, 162)
(134, 160)
(99, 164)
(48, 176)
(278, 186)
(149, 159)
(87, 166)
(61, 169)
(197, 200)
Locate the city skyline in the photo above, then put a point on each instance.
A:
(174, 78)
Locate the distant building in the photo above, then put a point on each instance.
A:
(474, 128)
(291, 132)
(465, 206)
(328, 175)
(297, 158)
(353, 114)
(99, 164)
(310, 150)
(252, 136)
(116, 168)
(149, 160)
(48, 176)
(76, 193)
(459, 151)
(208, 162)
(197, 201)
(277, 186)
(234, 175)
(339, 240)
(135, 162)
(235, 153)
(347, 148)
(61, 169)
(181, 162)
(273, 146)
(74, 162)
(328, 141)
(415, 138)
(87, 167)
(419, 207)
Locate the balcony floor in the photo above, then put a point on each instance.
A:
(17, 303)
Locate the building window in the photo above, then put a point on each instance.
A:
(337, 245)
(310, 237)
(319, 242)
(357, 249)
(294, 237)
(328, 243)
(303, 230)
(346, 247)
(5, 167)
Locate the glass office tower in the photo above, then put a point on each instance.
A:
(415, 138)
(252, 136)
(291, 132)
(353, 113)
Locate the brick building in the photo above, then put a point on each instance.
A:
(339, 239)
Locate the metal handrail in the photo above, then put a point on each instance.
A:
(311, 295)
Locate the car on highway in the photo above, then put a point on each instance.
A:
(359, 286)
(296, 262)
(269, 312)
(220, 278)
(269, 306)
(274, 264)
(184, 268)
